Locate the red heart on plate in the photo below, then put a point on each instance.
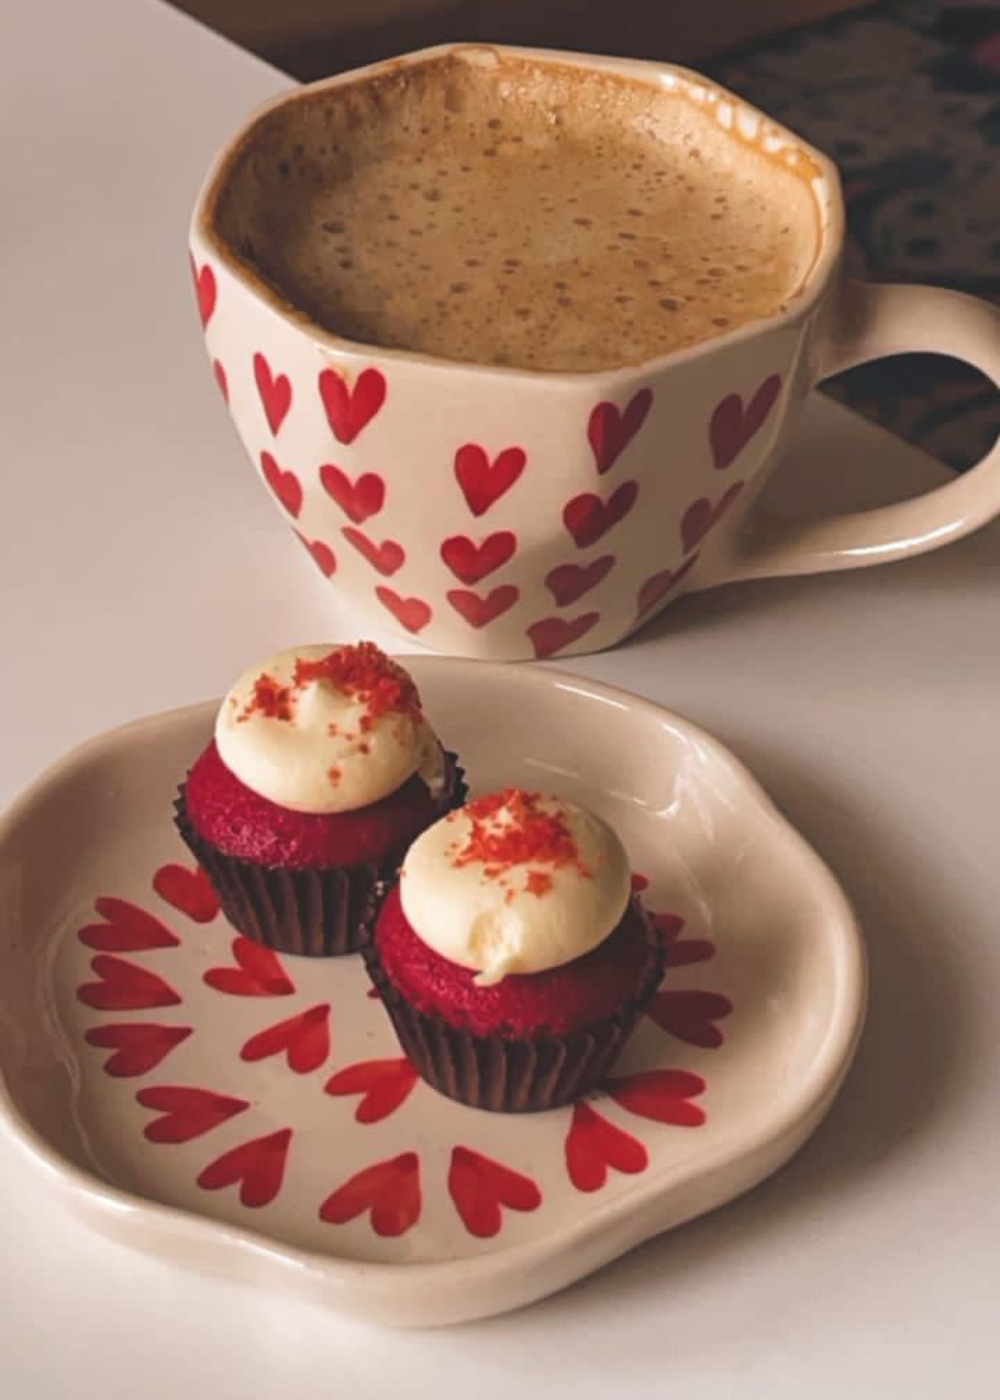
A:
(411, 613)
(551, 634)
(691, 1016)
(139, 1046)
(187, 1113)
(660, 1094)
(587, 517)
(124, 986)
(128, 929)
(350, 410)
(387, 557)
(205, 290)
(385, 1084)
(304, 1038)
(610, 431)
(731, 427)
(703, 514)
(321, 553)
(220, 379)
(479, 612)
(658, 585)
(258, 973)
(593, 1145)
(471, 562)
(689, 950)
(187, 890)
(359, 499)
(275, 392)
(258, 1165)
(639, 883)
(483, 482)
(568, 582)
(390, 1190)
(479, 1187)
(285, 485)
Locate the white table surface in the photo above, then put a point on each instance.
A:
(141, 565)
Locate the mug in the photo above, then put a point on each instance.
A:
(489, 511)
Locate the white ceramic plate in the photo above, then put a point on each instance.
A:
(221, 1108)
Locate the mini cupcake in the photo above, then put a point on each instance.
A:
(511, 956)
(321, 772)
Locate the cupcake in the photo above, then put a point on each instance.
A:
(511, 957)
(321, 772)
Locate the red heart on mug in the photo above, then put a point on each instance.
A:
(321, 553)
(386, 557)
(305, 1040)
(258, 973)
(385, 1084)
(205, 290)
(658, 585)
(124, 986)
(187, 1113)
(390, 1190)
(139, 1046)
(359, 499)
(190, 891)
(610, 431)
(128, 929)
(593, 1145)
(480, 612)
(471, 562)
(479, 1187)
(411, 613)
(568, 582)
(258, 1165)
(275, 392)
(285, 485)
(691, 1016)
(350, 410)
(660, 1094)
(700, 517)
(483, 482)
(551, 634)
(587, 517)
(731, 426)
(220, 379)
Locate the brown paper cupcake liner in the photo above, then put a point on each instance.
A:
(317, 912)
(512, 1075)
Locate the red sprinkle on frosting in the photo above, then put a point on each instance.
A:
(269, 699)
(509, 829)
(334, 775)
(364, 673)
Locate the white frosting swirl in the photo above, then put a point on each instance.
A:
(523, 915)
(316, 748)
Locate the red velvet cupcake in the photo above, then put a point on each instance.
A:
(321, 773)
(511, 957)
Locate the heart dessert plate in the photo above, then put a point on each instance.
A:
(194, 1094)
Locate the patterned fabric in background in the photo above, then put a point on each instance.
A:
(905, 96)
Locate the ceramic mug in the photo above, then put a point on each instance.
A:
(500, 512)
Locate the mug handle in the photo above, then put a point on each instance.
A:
(874, 320)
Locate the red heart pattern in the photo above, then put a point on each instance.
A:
(731, 427)
(124, 986)
(691, 1016)
(258, 1166)
(128, 929)
(387, 557)
(593, 1145)
(658, 585)
(480, 612)
(385, 1085)
(304, 1039)
(258, 973)
(275, 392)
(470, 562)
(359, 500)
(390, 1190)
(568, 582)
(350, 410)
(639, 882)
(688, 951)
(321, 553)
(479, 1187)
(411, 613)
(552, 634)
(189, 891)
(186, 1113)
(609, 431)
(588, 518)
(205, 291)
(664, 1095)
(220, 379)
(139, 1046)
(285, 485)
(700, 517)
(483, 482)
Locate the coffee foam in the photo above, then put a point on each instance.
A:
(493, 208)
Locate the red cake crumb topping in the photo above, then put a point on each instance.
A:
(526, 834)
(367, 675)
(538, 883)
(334, 775)
(269, 699)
